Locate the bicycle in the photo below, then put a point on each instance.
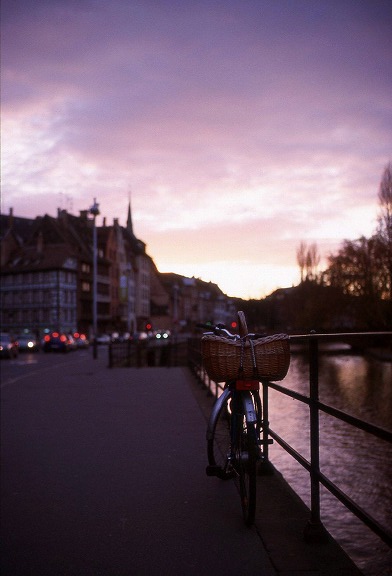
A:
(234, 445)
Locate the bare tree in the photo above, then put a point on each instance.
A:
(385, 220)
(385, 199)
(312, 262)
(308, 260)
(301, 259)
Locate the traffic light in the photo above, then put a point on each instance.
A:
(148, 326)
(234, 324)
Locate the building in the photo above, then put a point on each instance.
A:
(47, 275)
(191, 301)
(47, 280)
(39, 277)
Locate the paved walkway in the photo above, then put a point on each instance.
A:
(103, 475)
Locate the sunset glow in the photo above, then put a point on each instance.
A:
(237, 129)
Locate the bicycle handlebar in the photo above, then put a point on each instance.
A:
(221, 330)
(218, 330)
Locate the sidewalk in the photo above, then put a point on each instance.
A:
(105, 476)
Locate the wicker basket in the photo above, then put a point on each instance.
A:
(262, 359)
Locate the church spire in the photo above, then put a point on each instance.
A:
(129, 220)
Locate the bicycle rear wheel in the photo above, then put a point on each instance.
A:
(246, 457)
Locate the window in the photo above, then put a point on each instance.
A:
(86, 268)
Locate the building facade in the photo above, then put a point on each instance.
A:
(47, 280)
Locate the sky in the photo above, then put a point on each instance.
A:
(237, 128)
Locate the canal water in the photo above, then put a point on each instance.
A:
(356, 462)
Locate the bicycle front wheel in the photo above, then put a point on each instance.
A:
(219, 442)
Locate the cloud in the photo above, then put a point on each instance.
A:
(241, 125)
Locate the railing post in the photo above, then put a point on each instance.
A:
(265, 421)
(314, 531)
(265, 467)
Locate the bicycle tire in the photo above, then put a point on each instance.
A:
(246, 461)
(247, 454)
(219, 442)
(240, 460)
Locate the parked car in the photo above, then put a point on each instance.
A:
(72, 342)
(28, 343)
(8, 346)
(56, 342)
(81, 340)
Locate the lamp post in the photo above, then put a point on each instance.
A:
(175, 320)
(94, 211)
(129, 271)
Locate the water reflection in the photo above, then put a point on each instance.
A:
(359, 386)
(357, 462)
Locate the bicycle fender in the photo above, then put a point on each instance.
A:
(215, 411)
(249, 409)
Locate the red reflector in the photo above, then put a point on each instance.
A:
(247, 385)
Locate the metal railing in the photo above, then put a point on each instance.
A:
(314, 531)
(141, 353)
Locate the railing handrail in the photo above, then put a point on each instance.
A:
(336, 413)
(315, 406)
(337, 335)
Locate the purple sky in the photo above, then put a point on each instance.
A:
(239, 127)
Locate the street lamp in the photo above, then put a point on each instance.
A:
(175, 319)
(94, 211)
